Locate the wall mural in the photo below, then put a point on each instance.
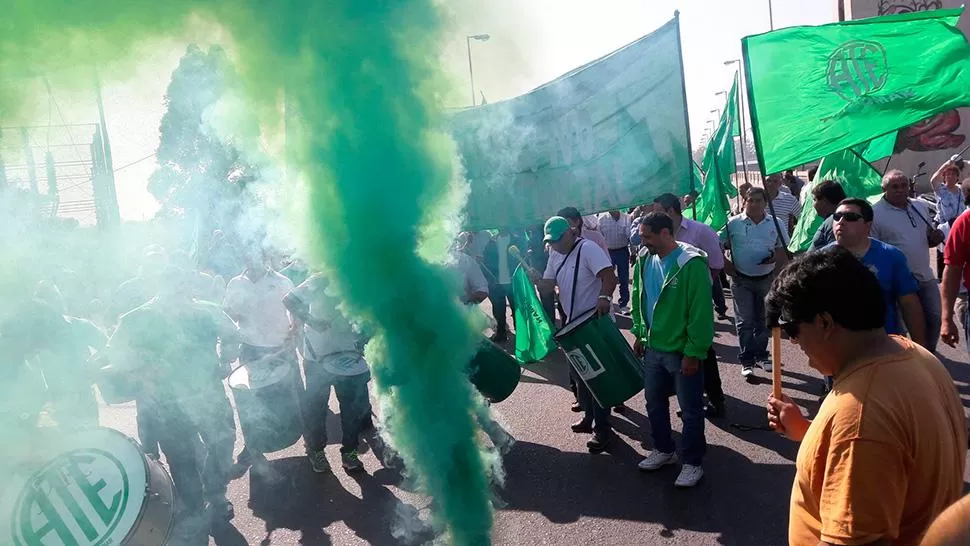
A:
(937, 132)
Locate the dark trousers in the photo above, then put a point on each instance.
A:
(500, 295)
(592, 411)
(355, 408)
(621, 264)
(661, 376)
(717, 291)
(548, 301)
(182, 424)
(712, 379)
(149, 428)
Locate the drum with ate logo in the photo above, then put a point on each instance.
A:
(93, 487)
(602, 358)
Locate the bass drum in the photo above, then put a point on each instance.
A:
(92, 487)
(268, 404)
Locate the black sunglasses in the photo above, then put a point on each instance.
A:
(791, 329)
(847, 216)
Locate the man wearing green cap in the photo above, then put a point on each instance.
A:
(586, 280)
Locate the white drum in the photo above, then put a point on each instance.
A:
(93, 488)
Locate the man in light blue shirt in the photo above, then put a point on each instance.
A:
(757, 248)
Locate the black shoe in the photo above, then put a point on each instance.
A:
(619, 409)
(576, 408)
(220, 510)
(712, 411)
(598, 443)
(722, 315)
(582, 427)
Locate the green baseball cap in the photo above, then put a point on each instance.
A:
(555, 228)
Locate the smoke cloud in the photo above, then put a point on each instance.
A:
(361, 83)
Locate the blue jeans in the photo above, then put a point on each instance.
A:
(662, 375)
(929, 298)
(355, 408)
(621, 263)
(749, 316)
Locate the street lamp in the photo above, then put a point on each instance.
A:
(717, 112)
(471, 74)
(743, 137)
(771, 17)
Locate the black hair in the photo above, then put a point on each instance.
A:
(569, 213)
(864, 207)
(668, 201)
(829, 281)
(829, 190)
(657, 222)
(760, 191)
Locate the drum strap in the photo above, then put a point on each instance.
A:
(572, 297)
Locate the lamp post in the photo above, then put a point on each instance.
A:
(771, 17)
(717, 112)
(471, 73)
(743, 140)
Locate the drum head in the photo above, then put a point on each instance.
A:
(576, 323)
(249, 377)
(89, 490)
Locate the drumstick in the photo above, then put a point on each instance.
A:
(517, 254)
(776, 362)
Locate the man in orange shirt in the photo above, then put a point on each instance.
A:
(885, 454)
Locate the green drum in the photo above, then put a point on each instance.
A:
(493, 372)
(268, 405)
(602, 358)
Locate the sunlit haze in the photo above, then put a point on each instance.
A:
(530, 44)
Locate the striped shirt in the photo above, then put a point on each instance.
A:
(785, 207)
(616, 232)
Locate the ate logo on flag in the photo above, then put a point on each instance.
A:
(857, 68)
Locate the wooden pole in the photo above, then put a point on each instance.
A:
(776, 362)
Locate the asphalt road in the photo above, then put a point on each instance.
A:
(555, 492)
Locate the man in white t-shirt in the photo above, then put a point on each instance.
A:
(782, 205)
(332, 359)
(586, 280)
(254, 300)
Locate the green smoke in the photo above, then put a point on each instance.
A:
(361, 81)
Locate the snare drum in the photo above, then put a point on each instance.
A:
(93, 487)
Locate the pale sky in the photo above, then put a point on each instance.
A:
(526, 49)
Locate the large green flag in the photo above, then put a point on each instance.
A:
(712, 205)
(533, 331)
(857, 178)
(877, 148)
(814, 91)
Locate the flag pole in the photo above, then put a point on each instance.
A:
(744, 160)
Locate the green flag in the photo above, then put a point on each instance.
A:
(712, 205)
(877, 148)
(814, 91)
(533, 331)
(857, 178)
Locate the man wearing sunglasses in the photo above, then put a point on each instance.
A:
(886, 453)
(852, 225)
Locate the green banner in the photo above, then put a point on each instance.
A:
(857, 178)
(719, 164)
(814, 91)
(533, 331)
(609, 135)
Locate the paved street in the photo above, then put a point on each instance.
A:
(556, 492)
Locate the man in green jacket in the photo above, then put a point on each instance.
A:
(673, 321)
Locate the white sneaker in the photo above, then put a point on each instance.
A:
(656, 460)
(747, 371)
(765, 365)
(689, 476)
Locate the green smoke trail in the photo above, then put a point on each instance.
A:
(362, 78)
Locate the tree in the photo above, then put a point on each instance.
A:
(197, 177)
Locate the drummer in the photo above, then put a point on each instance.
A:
(168, 349)
(255, 300)
(331, 360)
(586, 280)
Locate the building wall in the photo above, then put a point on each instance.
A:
(933, 140)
